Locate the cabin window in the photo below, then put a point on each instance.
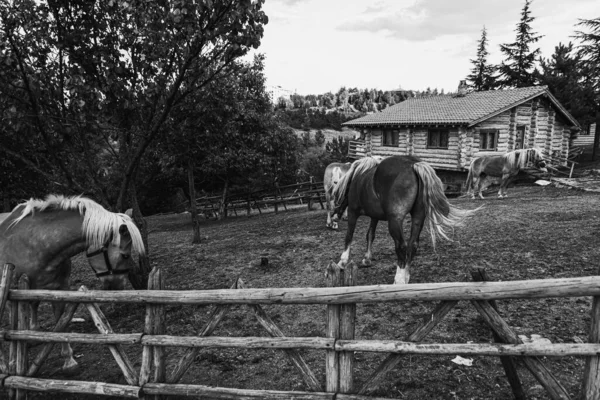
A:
(488, 139)
(390, 137)
(437, 138)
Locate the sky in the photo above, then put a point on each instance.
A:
(316, 46)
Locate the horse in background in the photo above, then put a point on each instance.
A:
(501, 169)
(388, 190)
(40, 236)
(333, 173)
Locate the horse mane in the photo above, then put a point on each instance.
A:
(358, 167)
(520, 158)
(99, 224)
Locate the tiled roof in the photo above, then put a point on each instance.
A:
(472, 108)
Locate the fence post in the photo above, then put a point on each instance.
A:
(5, 281)
(591, 374)
(347, 324)
(148, 351)
(22, 325)
(160, 367)
(332, 371)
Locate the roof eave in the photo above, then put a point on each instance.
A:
(542, 92)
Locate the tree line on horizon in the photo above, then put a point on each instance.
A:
(572, 74)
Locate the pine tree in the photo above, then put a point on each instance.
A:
(589, 50)
(518, 67)
(482, 74)
(567, 78)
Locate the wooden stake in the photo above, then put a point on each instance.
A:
(12, 346)
(117, 350)
(159, 320)
(147, 351)
(347, 332)
(332, 372)
(5, 281)
(22, 324)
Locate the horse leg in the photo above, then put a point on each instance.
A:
(503, 185)
(402, 268)
(478, 187)
(417, 217)
(329, 208)
(352, 218)
(66, 351)
(366, 262)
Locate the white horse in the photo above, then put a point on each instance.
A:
(333, 173)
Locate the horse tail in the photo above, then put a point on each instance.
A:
(340, 190)
(441, 216)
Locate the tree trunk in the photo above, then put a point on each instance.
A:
(193, 209)
(596, 137)
(139, 276)
(222, 204)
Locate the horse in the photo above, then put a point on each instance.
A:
(388, 190)
(40, 236)
(501, 169)
(333, 174)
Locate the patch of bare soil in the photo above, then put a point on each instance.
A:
(536, 233)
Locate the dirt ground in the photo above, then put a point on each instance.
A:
(535, 233)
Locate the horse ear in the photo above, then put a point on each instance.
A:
(129, 212)
(123, 231)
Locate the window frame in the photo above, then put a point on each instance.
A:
(488, 132)
(394, 136)
(438, 134)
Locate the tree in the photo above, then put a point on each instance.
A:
(517, 68)
(589, 49)
(482, 74)
(567, 77)
(97, 81)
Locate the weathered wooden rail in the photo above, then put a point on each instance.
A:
(298, 193)
(154, 379)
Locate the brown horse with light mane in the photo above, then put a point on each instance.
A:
(40, 236)
(486, 170)
(389, 190)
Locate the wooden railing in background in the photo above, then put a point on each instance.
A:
(297, 193)
(339, 343)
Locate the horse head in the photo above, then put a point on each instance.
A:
(539, 161)
(112, 261)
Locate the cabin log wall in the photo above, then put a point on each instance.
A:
(544, 128)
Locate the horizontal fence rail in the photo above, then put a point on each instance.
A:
(532, 289)
(339, 345)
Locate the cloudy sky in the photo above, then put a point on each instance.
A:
(315, 46)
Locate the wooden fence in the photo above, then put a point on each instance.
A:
(154, 379)
(298, 193)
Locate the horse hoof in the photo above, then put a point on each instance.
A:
(399, 282)
(70, 368)
(334, 226)
(365, 263)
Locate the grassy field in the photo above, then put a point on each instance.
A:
(537, 232)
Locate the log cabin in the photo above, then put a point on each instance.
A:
(449, 131)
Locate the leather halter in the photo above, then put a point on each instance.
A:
(109, 268)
